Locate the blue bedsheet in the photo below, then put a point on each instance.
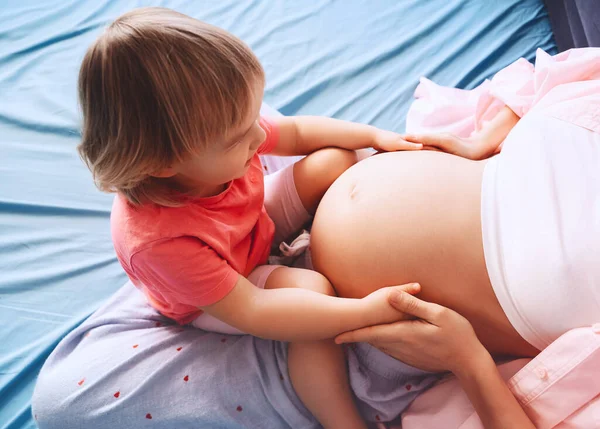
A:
(358, 60)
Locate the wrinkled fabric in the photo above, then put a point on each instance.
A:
(558, 389)
(127, 366)
(355, 60)
(557, 84)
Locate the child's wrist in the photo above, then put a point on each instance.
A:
(374, 314)
(374, 134)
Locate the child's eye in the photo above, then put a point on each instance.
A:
(234, 144)
(244, 137)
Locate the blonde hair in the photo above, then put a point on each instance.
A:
(155, 87)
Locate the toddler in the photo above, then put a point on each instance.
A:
(172, 125)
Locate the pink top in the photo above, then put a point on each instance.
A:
(187, 257)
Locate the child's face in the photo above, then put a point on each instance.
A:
(224, 161)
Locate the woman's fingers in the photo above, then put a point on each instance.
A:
(389, 141)
(397, 143)
(443, 141)
(413, 306)
(436, 140)
(402, 144)
(432, 148)
(389, 333)
(381, 332)
(415, 138)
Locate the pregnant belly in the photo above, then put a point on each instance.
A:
(407, 217)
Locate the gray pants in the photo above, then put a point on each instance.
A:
(129, 367)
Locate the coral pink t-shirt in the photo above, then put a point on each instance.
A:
(187, 257)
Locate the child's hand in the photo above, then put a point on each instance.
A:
(439, 340)
(388, 141)
(378, 309)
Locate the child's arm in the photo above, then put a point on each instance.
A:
(302, 135)
(295, 314)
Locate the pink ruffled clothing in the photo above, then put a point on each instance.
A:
(560, 388)
(566, 86)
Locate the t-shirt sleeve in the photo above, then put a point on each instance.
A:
(184, 270)
(272, 130)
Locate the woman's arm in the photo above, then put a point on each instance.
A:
(294, 314)
(493, 132)
(442, 340)
(302, 135)
(494, 402)
(480, 145)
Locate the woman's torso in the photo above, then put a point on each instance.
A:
(408, 217)
(541, 227)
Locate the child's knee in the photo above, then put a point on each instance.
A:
(314, 174)
(326, 165)
(336, 160)
(286, 277)
(320, 284)
(315, 281)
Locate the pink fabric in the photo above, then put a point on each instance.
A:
(283, 204)
(558, 389)
(566, 86)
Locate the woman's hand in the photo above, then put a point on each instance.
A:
(377, 307)
(474, 147)
(438, 340)
(388, 141)
(482, 144)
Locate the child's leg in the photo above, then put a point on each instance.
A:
(314, 174)
(318, 369)
(293, 194)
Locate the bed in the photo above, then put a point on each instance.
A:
(358, 60)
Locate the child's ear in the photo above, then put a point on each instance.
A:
(165, 173)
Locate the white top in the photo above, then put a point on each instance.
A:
(541, 227)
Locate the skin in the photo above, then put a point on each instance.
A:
(281, 312)
(418, 214)
(295, 305)
(447, 254)
(439, 339)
